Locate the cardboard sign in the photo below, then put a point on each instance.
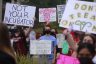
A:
(40, 47)
(80, 15)
(47, 14)
(60, 10)
(60, 40)
(19, 14)
(63, 59)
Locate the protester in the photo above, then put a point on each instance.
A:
(69, 39)
(89, 38)
(43, 33)
(30, 35)
(54, 32)
(68, 43)
(19, 42)
(49, 59)
(76, 35)
(7, 55)
(38, 34)
(85, 53)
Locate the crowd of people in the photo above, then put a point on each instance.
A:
(17, 41)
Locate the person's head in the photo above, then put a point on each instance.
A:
(7, 55)
(17, 32)
(89, 38)
(85, 53)
(53, 32)
(47, 30)
(4, 36)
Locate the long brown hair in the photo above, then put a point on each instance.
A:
(5, 44)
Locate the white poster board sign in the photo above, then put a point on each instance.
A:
(19, 14)
(40, 47)
(80, 15)
(60, 10)
(60, 40)
(72, 0)
(47, 14)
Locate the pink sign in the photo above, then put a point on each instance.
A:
(47, 14)
(63, 59)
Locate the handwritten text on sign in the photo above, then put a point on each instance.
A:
(60, 10)
(47, 14)
(80, 16)
(19, 14)
(40, 47)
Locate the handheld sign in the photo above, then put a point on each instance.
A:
(60, 10)
(47, 14)
(60, 40)
(63, 59)
(80, 15)
(19, 14)
(39, 47)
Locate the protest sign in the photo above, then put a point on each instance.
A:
(19, 14)
(63, 59)
(80, 15)
(60, 10)
(74, 0)
(60, 39)
(47, 14)
(40, 47)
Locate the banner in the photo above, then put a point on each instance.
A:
(60, 40)
(19, 14)
(80, 15)
(47, 14)
(60, 10)
(40, 47)
(63, 59)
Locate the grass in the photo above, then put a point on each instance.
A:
(26, 60)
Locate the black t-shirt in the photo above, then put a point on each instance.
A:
(6, 59)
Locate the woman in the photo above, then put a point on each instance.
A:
(19, 42)
(85, 53)
(89, 38)
(7, 55)
(72, 45)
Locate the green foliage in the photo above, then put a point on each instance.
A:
(24, 60)
(43, 3)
